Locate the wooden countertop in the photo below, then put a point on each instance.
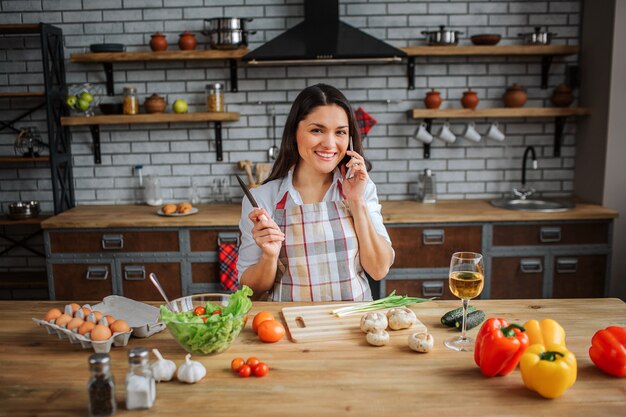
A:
(44, 376)
(394, 212)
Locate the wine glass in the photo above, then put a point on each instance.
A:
(466, 282)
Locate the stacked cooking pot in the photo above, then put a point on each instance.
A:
(227, 32)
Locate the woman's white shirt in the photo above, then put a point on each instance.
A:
(268, 195)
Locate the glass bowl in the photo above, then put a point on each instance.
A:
(82, 99)
(203, 338)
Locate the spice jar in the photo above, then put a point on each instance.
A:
(152, 191)
(433, 99)
(101, 387)
(515, 96)
(562, 96)
(131, 102)
(140, 385)
(158, 42)
(470, 99)
(215, 97)
(187, 41)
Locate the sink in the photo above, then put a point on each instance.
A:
(543, 206)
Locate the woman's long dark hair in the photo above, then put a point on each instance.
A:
(308, 99)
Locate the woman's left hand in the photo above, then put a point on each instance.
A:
(354, 188)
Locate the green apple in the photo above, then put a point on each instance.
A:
(86, 96)
(82, 105)
(71, 101)
(179, 106)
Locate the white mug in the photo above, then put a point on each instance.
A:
(470, 133)
(495, 133)
(422, 134)
(445, 134)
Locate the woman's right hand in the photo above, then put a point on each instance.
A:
(266, 232)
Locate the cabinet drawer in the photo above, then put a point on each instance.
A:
(82, 281)
(424, 288)
(206, 240)
(579, 276)
(137, 285)
(205, 273)
(114, 241)
(517, 277)
(546, 234)
(432, 247)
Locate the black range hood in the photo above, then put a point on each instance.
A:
(323, 39)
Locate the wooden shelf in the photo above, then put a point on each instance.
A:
(23, 94)
(491, 50)
(148, 118)
(159, 56)
(22, 160)
(20, 29)
(4, 220)
(499, 112)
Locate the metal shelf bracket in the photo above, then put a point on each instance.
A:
(95, 135)
(546, 61)
(108, 71)
(559, 125)
(411, 72)
(429, 127)
(218, 141)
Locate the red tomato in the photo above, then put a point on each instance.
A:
(204, 319)
(236, 364)
(199, 311)
(260, 318)
(245, 371)
(216, 312)
(261, 369)
(252, 361)
(271, 331)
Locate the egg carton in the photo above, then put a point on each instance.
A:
(142, 318)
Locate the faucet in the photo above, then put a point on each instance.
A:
(523, 193)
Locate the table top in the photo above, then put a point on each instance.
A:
(394, 212)
(45, 376)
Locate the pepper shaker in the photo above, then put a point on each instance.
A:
(101, 387)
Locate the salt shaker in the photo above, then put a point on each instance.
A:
(426, 187)
(101, 387)
(140, 385)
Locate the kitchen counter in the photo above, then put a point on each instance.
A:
(394, 212)
(44, 376)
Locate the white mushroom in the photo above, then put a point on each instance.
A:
(373, 322)
(401, 318)
(377, 338)
(421, 342)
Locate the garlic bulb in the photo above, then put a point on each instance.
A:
(162, 369)
(191, 371)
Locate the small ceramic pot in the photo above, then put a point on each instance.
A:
(187, 41)
(470, 99)
(433, 99)
(562, 96)
(515, 96)
(155, 104)
(158, 42)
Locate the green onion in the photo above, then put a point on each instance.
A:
(392, 300)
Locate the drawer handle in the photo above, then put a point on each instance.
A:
(97, 273)
(225, 237)
(550, 234)
(433, 236)
(134, 273)
(531, 266)
(112, 242)
(432, 288)
(567, 265)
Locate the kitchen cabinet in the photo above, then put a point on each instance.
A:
(517, 277)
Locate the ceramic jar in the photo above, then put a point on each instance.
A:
(155, 104)
(187, 41)
(433, 99)
(562, 96)
(470, 99)
(515, 96)
(158, 42)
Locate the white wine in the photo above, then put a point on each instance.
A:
(465, 284)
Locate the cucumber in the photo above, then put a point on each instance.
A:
(451, 316)
(473, 319)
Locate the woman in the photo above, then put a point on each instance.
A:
(317, 231)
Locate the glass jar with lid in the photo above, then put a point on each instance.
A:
(215, 97)
(131, 102)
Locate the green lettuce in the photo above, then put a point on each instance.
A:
(216, 335)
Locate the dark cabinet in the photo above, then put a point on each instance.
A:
(517, 277)
(579, 276)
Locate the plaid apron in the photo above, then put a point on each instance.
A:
(319, 260)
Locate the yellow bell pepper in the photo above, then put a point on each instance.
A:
(549, 371)
(547, 332)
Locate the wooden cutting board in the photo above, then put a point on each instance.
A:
(315, 323)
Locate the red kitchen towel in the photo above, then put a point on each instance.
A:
(227, 255)
(364, 121)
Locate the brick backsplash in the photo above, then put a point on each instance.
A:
(177, 152)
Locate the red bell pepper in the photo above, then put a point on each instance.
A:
(499, 347)
(608, 350)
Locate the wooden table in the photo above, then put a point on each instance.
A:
(44, 376)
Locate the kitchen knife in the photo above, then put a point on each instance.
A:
(247, 192)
